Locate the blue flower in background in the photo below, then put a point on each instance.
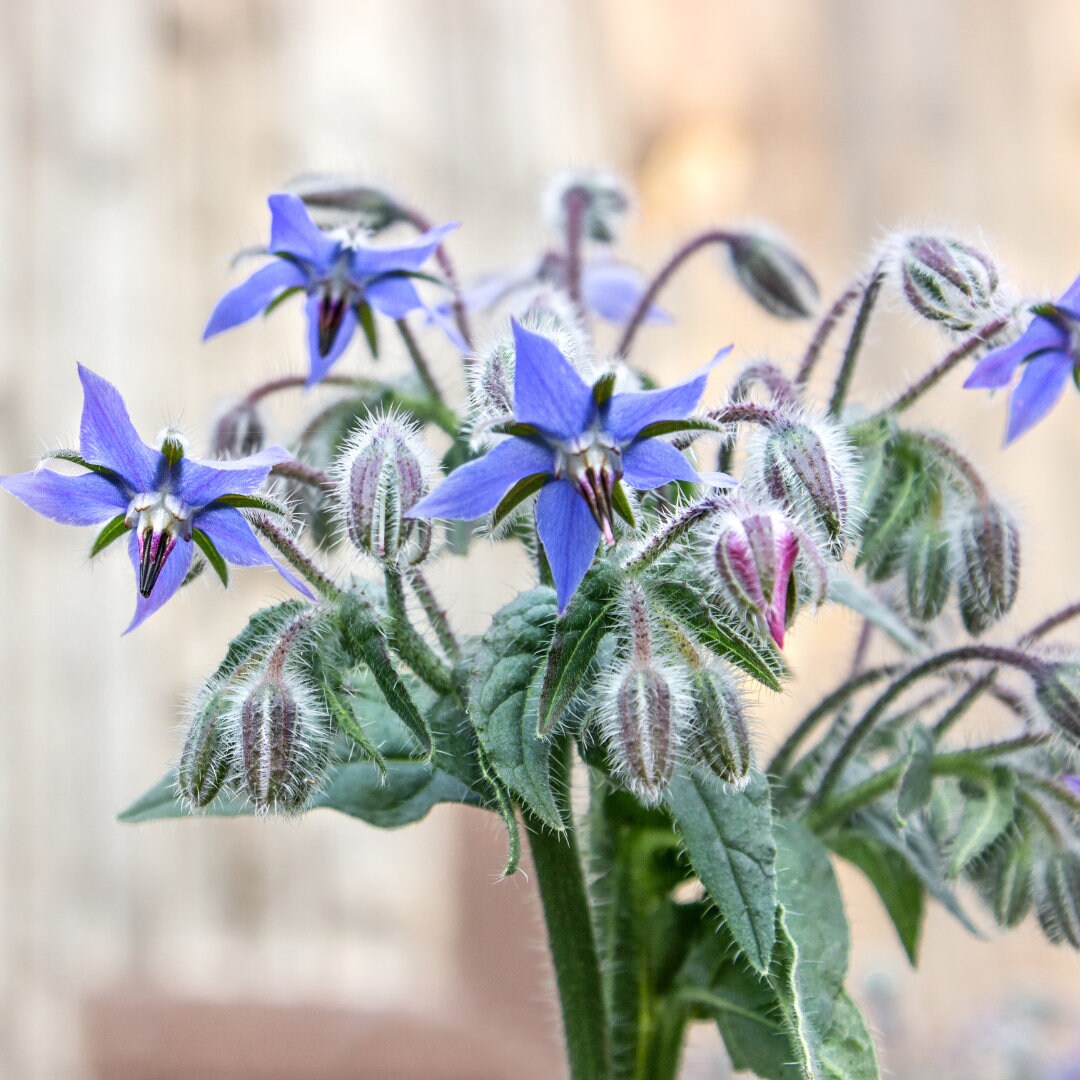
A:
(343, 279)
(166, 501)
(1049, 350)
(575, 443)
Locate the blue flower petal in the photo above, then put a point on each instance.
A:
(293, 232)
(87, 499)
(254, 295)
(365, 262)
(169, 580)
(475, 488)
(548, 392)
(627, 414)
(569, 534)
(320, 365)
(199, 483)
(1037, 391)
(614, 290)
(649, 463)
(1071, 297)
(232, 536)
(998, 366)
(107, 437)
(395, 297)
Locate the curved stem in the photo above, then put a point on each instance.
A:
(774, 380)
(958, 462)
(824, 331)
(295, 556)
(419, 361)
(855, 342)
(855, 737)
(982, 336)
(436, 614)
(306, 474)
(663, 276)
(408, 643)
(672, 530)
(296, 382)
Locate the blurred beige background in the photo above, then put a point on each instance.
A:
(138, 139)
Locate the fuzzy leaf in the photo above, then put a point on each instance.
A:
(112, 530)
(917, 783)
(213, 556)
(985, 818)
(847, 1051)
(578, 633)
(507, 670)
(729, 838)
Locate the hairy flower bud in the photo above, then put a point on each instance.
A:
(205, 761)
(641, 745)
(947, 281)
(754, 555)
(1057, 897)
(927, 571)
(722, 733)
(1057, 692)
(334, 201)
(769, 271)
(238, 432)
(282, 740)
(382, 472)
(1004, 878)
(606, 203)
(987, 551)
(808, 469)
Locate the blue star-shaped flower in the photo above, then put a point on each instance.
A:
(1050, 351)
(340, 274)
(164, 499)
(575, 443)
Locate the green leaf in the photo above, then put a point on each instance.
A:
(672, 427)
(366, 318)
(77, 459)
(213, 556)
(281, 297)
(530, 485)
(342, 713)
(262, 628)
(503, 699)
(112, 530)
(729, 839)
(985, 818)
(897, 885)
(686, 601)
(917, 783)
(363, 638)
(578, 633)
(847, 590)
(847, 1050)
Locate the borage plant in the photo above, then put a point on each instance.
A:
(674, 545)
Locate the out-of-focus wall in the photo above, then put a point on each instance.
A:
(138, 139)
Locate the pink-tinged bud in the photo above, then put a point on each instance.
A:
(239, 432)
(754, 555)
(988, 571)
(1057, 897)
(282, 741)
(606, 198)
(383, 471)
(947, 281)
(768, 270)
(205, 761)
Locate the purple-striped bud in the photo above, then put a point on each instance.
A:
(1057, 692)
(987, 552)
(768, 270)
(947, 281)
(605, 200)
(809, 470)
(205, 761)
(238, 432)
(754, 555)
(282, 741)
(382, 472)
(722, 735)
(641, 743)
(1057, 897)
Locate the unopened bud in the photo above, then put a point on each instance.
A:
(754, 555)
(605, 203)
(1057, 897)
(239, 432)
(382, 473)
(988, 570)
(282, 741)
(947, 281)
(641, 746)
(808, 469)
(927, 571)
(772, 275)
(722, 733)
(1057, 691)
(334, 201)
(205, 761)
(1004, 878)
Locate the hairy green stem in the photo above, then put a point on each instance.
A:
(294, 382)
(824, 331)
(672, 530)
(855, 342)
(305, 474)
(409, 644)
(435, 612)
(295, 557)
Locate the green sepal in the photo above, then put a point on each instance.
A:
(673, 427)
(112, 530)
(252, 502)
(172, 449)
(213, 556)
(987, 815)
(917, 783)
(578, 633)
(281, 298)
(621, 502)
(366, 317)
(604, 387)
(516, 428)
(77, 459)
(345, 718)
(525, 487)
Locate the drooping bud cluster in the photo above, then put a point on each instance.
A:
(1057, 692)
(238, 432)
(988, 564)
(1057, 897)
(769, 271)
(927, 570)
(947, 281)
(606, 203)
(383, 471)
